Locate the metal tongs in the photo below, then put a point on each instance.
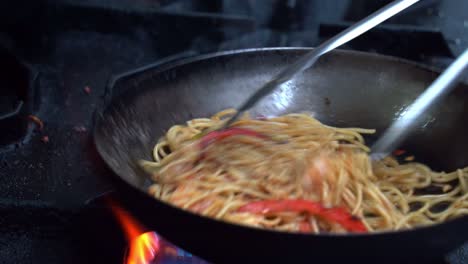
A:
(311, 57)
(400, 128)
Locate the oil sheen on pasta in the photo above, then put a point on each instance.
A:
(298, 158)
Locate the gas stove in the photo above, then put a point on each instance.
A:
(58, 58)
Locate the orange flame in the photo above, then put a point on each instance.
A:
(144, 246)
(143, 249)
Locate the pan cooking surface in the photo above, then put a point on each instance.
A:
(343, 89)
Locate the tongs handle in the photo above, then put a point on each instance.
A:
(311, 57)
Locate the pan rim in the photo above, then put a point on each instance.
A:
(163, 65)
(158, 68)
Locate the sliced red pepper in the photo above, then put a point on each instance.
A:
(399, 152)
(228, 132)
(336, 215)
(305, 226)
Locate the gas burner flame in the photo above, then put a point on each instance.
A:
(143, 246)
(143, 249)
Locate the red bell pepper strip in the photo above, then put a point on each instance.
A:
(337, 214)
(305, 226)
(228, 132)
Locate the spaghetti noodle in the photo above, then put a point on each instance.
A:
(293, 173)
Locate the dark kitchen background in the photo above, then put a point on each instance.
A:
(57, 57)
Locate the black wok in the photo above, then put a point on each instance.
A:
(342, 89)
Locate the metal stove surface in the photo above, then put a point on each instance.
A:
(75, 47)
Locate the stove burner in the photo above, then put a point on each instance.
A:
(150, 248)
(109, 232)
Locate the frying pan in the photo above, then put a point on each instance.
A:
(344, 88)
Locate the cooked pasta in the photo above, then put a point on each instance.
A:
(293, 173)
